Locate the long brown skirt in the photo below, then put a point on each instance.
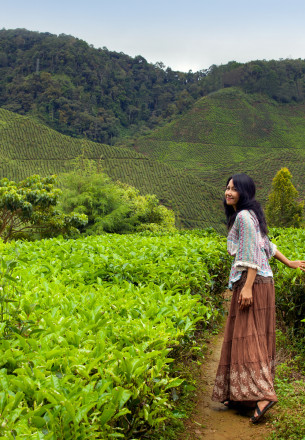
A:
(247, 362)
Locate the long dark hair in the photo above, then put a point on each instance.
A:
(246, 189)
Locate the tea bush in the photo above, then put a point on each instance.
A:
(290, 284)
(105, 317)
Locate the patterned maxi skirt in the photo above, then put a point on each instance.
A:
(247, 362)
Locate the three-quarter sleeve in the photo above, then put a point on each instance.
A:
(270, 248)
(249, 245)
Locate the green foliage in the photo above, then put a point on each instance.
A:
(110, 313)
(99, 199)
(148, 214)
(83, 91)
(28, 147)
(13, 320)
(229, 132)
(104, 95)
(29, 207)
(9, 300)
(281, 80)
(112, 207)
(290, 284)
(283, 209)
(183, 163)
(289, 422)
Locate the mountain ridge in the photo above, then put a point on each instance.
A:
(105, 96)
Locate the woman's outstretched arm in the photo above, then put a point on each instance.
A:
(292, 264)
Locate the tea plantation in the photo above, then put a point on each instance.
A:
(88, 341)
(90, 328)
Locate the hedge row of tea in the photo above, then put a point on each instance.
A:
(100, 320)
(290, 284)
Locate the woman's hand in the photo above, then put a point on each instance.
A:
(297, 264)
(292, 264)
(245, 298)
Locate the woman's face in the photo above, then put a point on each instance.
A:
(231, 194)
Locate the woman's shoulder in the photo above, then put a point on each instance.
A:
(246, 214)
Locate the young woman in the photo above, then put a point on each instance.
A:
(247, 364)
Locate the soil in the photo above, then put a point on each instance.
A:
(212, 420)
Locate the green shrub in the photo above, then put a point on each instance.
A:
(109, 313)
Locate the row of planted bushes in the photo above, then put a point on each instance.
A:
(289, 422)
(90, 327)
(290, 284)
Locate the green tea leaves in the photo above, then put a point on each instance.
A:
(101, 320)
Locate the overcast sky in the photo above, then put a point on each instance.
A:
(184, 35)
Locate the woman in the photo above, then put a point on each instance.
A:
(247, 364)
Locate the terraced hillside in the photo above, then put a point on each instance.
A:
(230, 131)
(28, 147)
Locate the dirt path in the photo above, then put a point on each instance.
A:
(212, 420)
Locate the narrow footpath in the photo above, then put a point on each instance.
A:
(212, 420)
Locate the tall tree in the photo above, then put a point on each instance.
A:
(283, 208)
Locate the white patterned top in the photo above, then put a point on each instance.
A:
(249, 247)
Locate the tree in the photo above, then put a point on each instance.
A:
(150, 215)
(28, 210)
(111, 207)
(283, 208)
(99, 199)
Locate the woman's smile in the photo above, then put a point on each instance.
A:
(231, 194)
(230, 199)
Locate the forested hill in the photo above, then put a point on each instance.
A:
(83, 91)
(102, 95)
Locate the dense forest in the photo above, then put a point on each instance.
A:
(83, 91)
(103, 95)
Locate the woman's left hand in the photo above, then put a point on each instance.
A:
(297, 264)
(245, 297)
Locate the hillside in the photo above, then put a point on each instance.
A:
(229, 132)
(82, 91)
(28, 147)
(107, 96)
(186, 162)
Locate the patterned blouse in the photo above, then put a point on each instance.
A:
(249, 247)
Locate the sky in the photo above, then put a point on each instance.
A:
(183, 35)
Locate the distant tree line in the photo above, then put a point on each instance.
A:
(104, 95)
(282, 80)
